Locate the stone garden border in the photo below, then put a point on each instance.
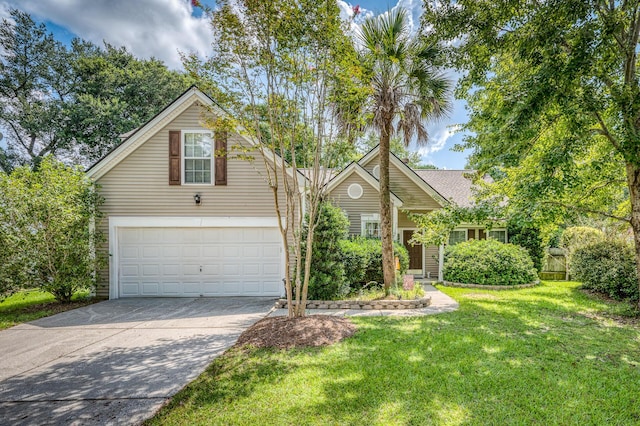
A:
(362, 304)
(490, 287)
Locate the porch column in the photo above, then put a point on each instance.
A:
(440, 262)
(394, 223)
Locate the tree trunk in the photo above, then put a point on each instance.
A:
(388, 269)
(633, 180)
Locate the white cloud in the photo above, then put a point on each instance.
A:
(439, 140)
(158, 28)
(414, 12)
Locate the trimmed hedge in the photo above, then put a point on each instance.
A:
(488, 262)
(607, 267)
(362, 258)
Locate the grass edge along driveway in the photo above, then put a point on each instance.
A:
(545, 355)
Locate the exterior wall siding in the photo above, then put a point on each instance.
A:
(369, 203)
(412, 195)
(139, 184)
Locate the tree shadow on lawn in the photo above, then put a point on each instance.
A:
(495, 361)
(502, 360)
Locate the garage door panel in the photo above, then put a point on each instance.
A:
(152, 252)
(251, 269)
(191, 270)
(150, 288)
(271, 269)
(211, 251)
(129, 253)
(129, 288)
(192, 288)
(171, 288)
(211, 270)
(193, 262)
(150, 236)
(272, 287)
(171, 270)
(190, 251)
(251, 251)
(191, 235)
(130, 271)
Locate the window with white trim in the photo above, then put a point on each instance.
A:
(370, 225)
(197, 158)
(457, 236)
(499, 235)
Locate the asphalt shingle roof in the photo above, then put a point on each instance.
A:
(454, 185)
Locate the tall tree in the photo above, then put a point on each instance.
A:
(72, 101)
(555, 101)
(406, 89)
(281, 69)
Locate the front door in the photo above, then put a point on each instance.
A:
(415, 251)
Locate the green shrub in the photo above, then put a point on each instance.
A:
(528, 237)
(355, 259)
(364, 259)
(327, 276)
(576, 237)
(488, 262)
(607, 267)
(45, 229)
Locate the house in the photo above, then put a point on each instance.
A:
(356, 191)
(183, 222)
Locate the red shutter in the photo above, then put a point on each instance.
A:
(174, 158)
(221, 157)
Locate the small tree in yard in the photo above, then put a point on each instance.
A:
(46, 227)
(282, 70)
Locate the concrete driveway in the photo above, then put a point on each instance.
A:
(115, 362)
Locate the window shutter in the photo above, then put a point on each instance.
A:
(174, 158)
(221, 157)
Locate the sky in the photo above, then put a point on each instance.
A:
(164, 28)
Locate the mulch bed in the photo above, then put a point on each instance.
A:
(286, 333)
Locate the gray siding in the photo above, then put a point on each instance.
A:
(369, 203)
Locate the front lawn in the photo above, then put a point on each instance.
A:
(30, 305)
(544, 355)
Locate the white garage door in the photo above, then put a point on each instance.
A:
(194, 262)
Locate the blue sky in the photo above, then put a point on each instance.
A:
(163, 28)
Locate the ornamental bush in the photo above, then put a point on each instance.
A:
(46, 232)
(363, 261)
(327, 276)
(527, 236)
(488, 262)
(607, 267)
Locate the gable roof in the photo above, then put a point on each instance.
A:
(408, 171)
(455, 185)
(135, 138)
(360, 171)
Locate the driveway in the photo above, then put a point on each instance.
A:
(115, 362)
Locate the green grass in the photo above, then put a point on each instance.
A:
(548, 355)
(30, 305)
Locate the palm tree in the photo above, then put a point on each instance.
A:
(406, 89)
